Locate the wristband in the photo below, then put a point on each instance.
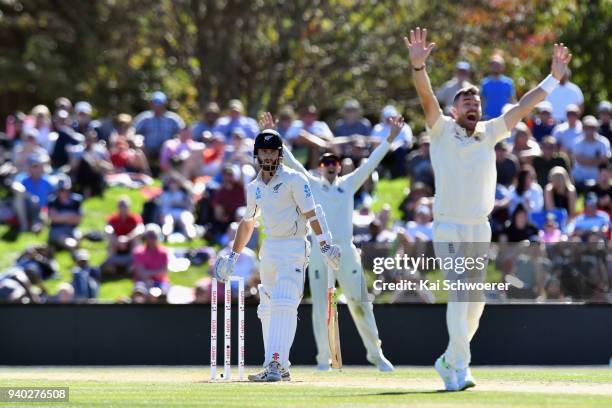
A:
(549, 83)
(419, 69)
(233, 256)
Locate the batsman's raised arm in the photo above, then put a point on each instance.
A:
(419, 50)
(560, 60)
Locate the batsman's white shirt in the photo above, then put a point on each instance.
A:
(464, 168)
(337, 199)
(281, 203)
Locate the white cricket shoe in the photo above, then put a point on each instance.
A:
(265, 375)
(465, 379)
(448, 375)
(381, 362)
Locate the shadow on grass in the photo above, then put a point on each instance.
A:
(385, 393)
(11, 235)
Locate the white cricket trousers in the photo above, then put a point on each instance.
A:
(352, 281)
(282, 267)
(463, 311)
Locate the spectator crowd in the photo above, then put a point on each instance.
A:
(554, 188)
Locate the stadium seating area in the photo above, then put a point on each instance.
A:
(168, 196)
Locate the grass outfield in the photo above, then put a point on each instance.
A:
(352, 387)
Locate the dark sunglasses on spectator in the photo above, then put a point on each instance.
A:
(328, 163)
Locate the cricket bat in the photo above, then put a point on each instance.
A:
(333, 332)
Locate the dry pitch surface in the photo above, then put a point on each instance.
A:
(351, 387)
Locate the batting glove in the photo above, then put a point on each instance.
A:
(224, 266)
(331, 255)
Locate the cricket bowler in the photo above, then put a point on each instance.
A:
(463, 159)
(283, 199)
(335, 194)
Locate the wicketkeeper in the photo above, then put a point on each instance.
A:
(283, 199)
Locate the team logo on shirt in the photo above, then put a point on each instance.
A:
(257, 193)
(276, 187)
(307, 190)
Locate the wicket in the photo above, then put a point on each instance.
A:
(227, 328)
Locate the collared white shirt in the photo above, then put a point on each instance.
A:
(281, 203)
(337, 198)
(317, 128)
(464, 169)
(563, 95)
(567, 136)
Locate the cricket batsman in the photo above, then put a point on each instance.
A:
(336, 195)
(283, 199)
(463, 159)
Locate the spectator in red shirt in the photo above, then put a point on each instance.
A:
(123, 230)
(227, 199)
(150, 264)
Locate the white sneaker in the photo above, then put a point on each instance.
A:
(465, 379)
(381, 362)
(274, 372)
(448, 375)
(263, 374)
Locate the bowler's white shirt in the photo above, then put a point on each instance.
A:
(337, 199)
(464, 169)
(281, 203)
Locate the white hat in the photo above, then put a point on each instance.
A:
(389, 111)
(423, 209)
(604, 106)
(83, 107)
(153, 228)
(544, 106)
(463, 65)
(590, 121)
(521, 127)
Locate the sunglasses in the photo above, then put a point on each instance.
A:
(328, 163)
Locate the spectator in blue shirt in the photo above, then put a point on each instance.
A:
(85, 278)
(236, 119)
(592, 220)
(65, 214)
(400, 145)
(309, 124)
(286, 117)
(208, 122)
(31, 195)
(352, 123)
(543, 124)
(157, 125)
(496, 89)
(381, 130)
